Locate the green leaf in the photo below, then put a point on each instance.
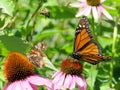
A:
(92, 77)
(68, 48)
(117, 86)
(11, 44)
(7, 7)
(47, 33)
(2, 22)
(104, 41)
(1, 76)
(105, 86)
(6, 12)
(62, 12)
(48, 64)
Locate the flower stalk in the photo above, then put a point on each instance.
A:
(115, 31)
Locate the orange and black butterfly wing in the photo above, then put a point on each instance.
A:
(82, 34)
(94, 59)
(84, 45)
(90, 52)
(83, 38)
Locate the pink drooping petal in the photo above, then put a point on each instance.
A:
(85, 83)
(58, 77)
(81, 12)
(25, 85)
(20, 85)
(105, 13)
(58, 81)
(77, 5)
(33, 86)
(99, 14)
(81, 88)
(99, 11)
(94, 12)
(9, 86)
(69, 82)
(58, 73)
(82, 85)
(79, 80)
(88, 11)
(38, 80)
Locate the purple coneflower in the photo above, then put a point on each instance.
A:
(69, 76)
(19, 73)
(94, 6)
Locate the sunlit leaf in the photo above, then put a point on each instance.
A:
(7, 7)
(104, 41)
(62, 12)
(12, 43)
(92, 77)
(49, 64)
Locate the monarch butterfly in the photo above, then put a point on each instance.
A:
(85, 47)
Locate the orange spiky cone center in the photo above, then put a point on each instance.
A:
(73, 67)
(17, 67)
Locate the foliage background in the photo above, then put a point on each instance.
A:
(22, 26)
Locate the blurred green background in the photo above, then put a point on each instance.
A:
(22, 25)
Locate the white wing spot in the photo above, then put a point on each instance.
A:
(80, 26)
(83, 26)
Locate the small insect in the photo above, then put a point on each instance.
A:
(45, 12)
(85, 47)
(36, 55)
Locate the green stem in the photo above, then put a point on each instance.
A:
(93, 75)
(33, 17)
(34, 14)
(93, 67)
(93, 29)
(113, 50)
(114, 39)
